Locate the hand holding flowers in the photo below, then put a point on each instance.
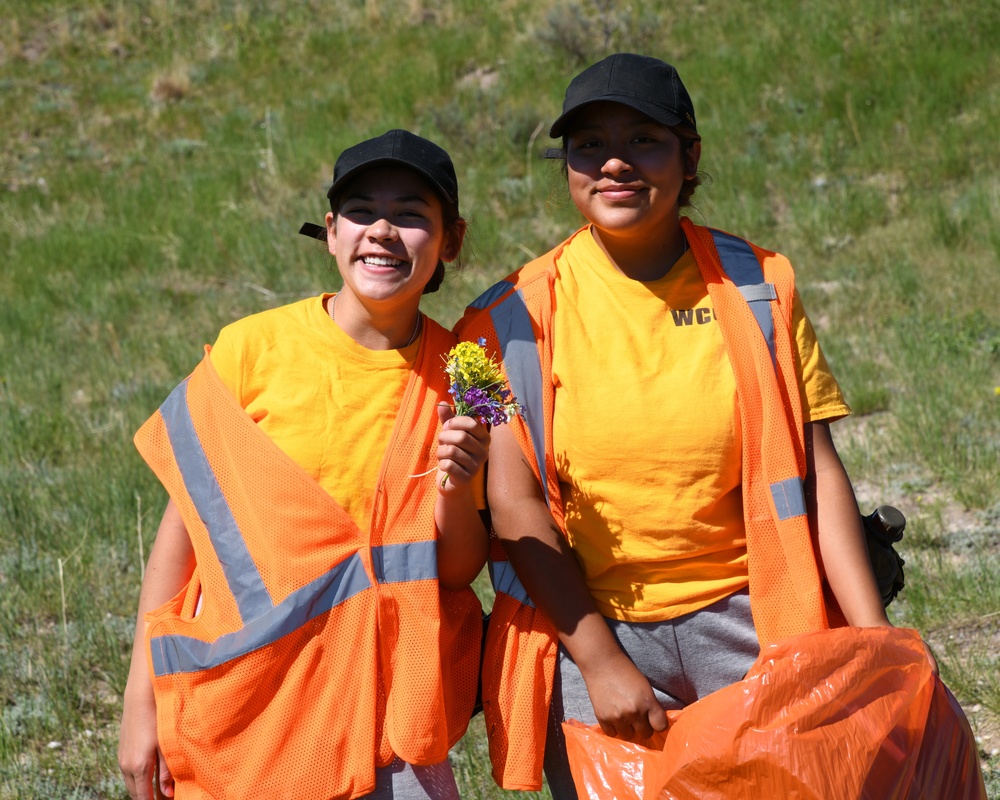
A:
(481, 399)
(463, 446)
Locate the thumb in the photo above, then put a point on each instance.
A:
(657, 717)
(445, 412)
(164, 778)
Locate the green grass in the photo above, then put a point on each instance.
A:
(160, 155)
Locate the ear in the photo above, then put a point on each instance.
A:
(691, 158)
(453, 241)
(331, 233)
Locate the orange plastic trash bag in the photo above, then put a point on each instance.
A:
(844, 713)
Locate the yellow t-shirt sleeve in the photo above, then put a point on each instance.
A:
(227, 363)
(822, 398)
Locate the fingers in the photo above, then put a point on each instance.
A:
(146, 780)
(445, 412)
(635, 727)
(138, 784)
(657, 718)
(623, 700)
(639, 727)
(463, 446)
(137, 773)
(165, 780)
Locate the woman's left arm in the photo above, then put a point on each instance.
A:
(842, 550)
(463, 542)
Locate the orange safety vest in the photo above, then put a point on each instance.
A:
(304, 652)
(752, 291)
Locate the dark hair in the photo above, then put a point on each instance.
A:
(687, 142)
(690, 184)
(450, 218)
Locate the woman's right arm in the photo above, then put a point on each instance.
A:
(170, 565)
(547, 567)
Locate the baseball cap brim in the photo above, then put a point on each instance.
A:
(657, 113)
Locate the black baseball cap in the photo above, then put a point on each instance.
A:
(393, 147)
(641, 82)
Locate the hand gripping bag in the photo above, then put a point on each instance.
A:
(844, 713)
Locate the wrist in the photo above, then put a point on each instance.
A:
(597, 653)
(874, 622)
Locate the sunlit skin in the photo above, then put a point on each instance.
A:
(625, 173)
(387, 237)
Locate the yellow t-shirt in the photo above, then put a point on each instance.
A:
(647, 434)
(327, 402)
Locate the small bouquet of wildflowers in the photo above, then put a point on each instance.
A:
(478, 385)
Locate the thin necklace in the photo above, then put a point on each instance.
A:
(413, 336)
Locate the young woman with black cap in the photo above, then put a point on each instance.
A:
(671, 498)
(306, 627)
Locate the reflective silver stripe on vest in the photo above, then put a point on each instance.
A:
(789, 498)
(173, 654)
(762, 291)
(505, 580)
(743, 268)
(245, 583)
(491, 295)
(410, 561)
(512, 324)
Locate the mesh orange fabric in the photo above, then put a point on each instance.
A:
(154, 446)
(391, 668)
(785, 588)
(516, 700)
(315, 532)
(225, 743)
(521, 643)
(442, 686)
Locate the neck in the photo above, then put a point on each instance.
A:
(373, 327)
(641, 259)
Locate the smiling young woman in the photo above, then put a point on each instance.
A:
(388, 235)
(306, 627)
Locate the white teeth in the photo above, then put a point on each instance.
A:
(381, 261)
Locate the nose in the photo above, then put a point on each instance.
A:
(615, 166)
(381, 230)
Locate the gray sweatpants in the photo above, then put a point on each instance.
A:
(402, 781)
(684, 659)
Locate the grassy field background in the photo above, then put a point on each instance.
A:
(158, 157)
